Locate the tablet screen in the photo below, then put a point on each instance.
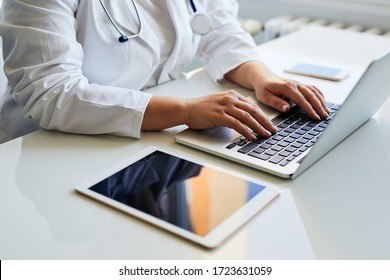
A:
(188, 195)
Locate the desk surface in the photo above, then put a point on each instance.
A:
(337, 209)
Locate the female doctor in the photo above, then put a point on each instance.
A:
(80, 67)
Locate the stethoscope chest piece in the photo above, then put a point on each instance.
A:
(201, 24)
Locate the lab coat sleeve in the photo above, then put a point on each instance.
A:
(43, 63)
(227, 45)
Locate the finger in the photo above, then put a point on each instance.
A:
(235, 118)
(254, 117)
(250, 115)
(234, 123)
(317, 90)
(274, 101)
(289, 89)
(255, 112)
(315, 100)
(320, 96)
(302, 97)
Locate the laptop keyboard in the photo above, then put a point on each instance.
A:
(297, 133)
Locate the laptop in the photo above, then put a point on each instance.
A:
(300, 141)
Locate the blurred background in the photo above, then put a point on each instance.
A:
(267, 19)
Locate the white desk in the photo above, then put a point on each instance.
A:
(338, 209)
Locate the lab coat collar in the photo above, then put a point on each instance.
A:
(183, 46)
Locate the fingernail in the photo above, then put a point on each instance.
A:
(284, 108)
(268, 134)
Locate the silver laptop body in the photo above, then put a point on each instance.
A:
(365, 99)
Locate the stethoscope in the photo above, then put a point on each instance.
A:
(200, 23)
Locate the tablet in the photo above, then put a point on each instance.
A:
(199, 202)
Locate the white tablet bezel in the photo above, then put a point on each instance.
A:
(216, 235)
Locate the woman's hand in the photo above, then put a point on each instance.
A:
(275, 91)
(228, 109)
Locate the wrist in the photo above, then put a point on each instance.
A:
(251, 75)
(164, 112)
(187, 107)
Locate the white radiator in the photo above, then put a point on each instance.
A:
(283, 25)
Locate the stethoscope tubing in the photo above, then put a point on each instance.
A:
(194, 9)
(124, 38)
(200, 23)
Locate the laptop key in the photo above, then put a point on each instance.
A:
(277, 138)
(289, 140)
(259, 156)
(313, 132)
(283, 144)
(282, 125)
(258, 150)
(247, 148)
(308, 136)
(276, 159)
(290, 149)
(296, 145)
(230, 146)
(284, 153)
(312, 124)
(303, 149)
(301, 122)
(283, 134)
(302, 141)
(297, 153)
(289, 130)
(265, 146)
(277, 148)
(270, 153)
(323, 125)
(271, 142)
(295, 126)
(300, 131)
(284, 163)
(290, 158)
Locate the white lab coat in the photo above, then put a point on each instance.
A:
(68, 72)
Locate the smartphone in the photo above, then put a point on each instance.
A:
(318, 71)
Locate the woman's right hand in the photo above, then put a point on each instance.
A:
(228, 109)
